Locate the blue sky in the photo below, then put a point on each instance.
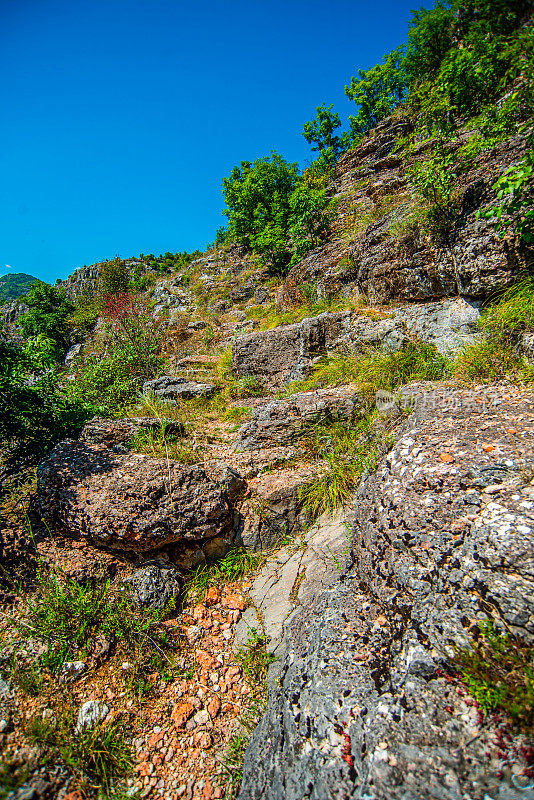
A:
(120, 119)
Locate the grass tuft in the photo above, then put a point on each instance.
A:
(233, 567)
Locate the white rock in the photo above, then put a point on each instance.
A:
(90, 714)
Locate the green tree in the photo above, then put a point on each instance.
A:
(319, 133)
(257, 197)
(377, 91)
(49, 315)
(311, 216)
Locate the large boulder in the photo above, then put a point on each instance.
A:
(289, 353)
(281, 422)
(130, 501)
(121, 432)
(443, 538)
(169, 388)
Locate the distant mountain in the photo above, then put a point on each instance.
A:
(14, 285)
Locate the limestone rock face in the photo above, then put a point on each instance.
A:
(443, 538)
(130, 501)
(391, 259)
(281, 421)
(168, 388)
(113, 432)
(289, 353)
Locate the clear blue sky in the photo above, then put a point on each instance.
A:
(121, 117)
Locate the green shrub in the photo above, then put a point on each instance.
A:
(127, 354)
(113, 278)
(49, 315)
(33, 407)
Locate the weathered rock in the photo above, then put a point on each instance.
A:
(391, 259)
(130, 501)
(273, 510)
(280, 422)
(90, 714)
(168, 388)
(113, 432)
(154, 585)
(294, 576)
(289, 352)
(362, 709)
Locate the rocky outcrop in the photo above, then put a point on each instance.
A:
(442, 539)
(281, 422)
(169, 388)
(115, 432)
(131, 502)
(288, 353)
(378, 246)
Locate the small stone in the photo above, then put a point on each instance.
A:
(214, 706)
(181, 713)
(91, 713)
(234, 602)
(202, 717)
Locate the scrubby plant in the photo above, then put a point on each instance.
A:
(234, 566)
(66, 616)
(499, 672)
(127, 353)
(373, 369)
(347, 452)
(48, 316)
(33, 407)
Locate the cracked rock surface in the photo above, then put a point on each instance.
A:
(442, 540)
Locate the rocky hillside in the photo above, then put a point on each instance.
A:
(266, 514)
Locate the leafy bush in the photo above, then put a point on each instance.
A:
(113, 277)
(515, 191)
(127, 355)
(272, 211)
(49, 315)
(320, 133)
(33, 407)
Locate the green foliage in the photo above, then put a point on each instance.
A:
(15, 285)
(257, 199)
(499, 672)
(32, 406)
(272, 211)
(49, 315)
(98, 755)
(377, 91)
(113, 278)
(434, 180)
(161, 444)
(310, 219)
(253, 658)
(375, 369)
(320, 134)
(502, 325)
(515, 193)
(127, 354)
(67, 615)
